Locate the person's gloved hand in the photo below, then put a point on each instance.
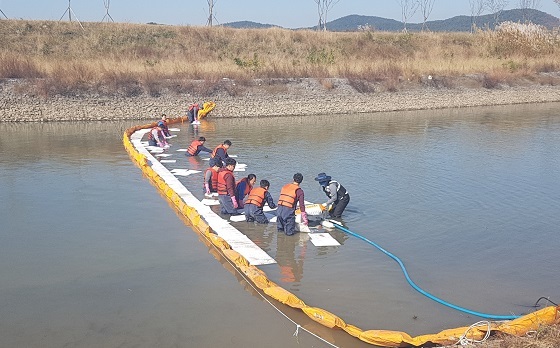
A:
(234, 200)
(207, 189)
(304, 218)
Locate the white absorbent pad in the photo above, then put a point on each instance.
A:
(207, 201)
(183, 172)
(323, 239)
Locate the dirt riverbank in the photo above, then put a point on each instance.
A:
(264, 98)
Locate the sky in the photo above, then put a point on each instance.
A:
(285, 13)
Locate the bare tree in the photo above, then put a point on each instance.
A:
(211, 15)
(408, 9)
(323, 8)
(477, 7)
(426, 7)
(526, 5)
(496, 7)
(320, 13)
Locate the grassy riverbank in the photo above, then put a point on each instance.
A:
(61, 58)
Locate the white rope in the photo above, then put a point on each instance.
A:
(298, 327)
(464, 341)
(297, 330)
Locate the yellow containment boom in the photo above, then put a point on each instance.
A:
(384, 338)
(206, 108)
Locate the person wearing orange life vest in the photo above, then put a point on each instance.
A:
(243, 187)
(193, 112)
(255, 202)
(290, 196)
(163, 125)
(196, 147)
(221, 151)
(226, 188)
(211, 177)
(156, 137)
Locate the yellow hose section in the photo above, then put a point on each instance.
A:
(384, 338)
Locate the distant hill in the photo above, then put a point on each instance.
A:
(249, 25)
(458, 23)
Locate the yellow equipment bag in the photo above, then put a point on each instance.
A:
(206, 108)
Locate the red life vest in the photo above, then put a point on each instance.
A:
(256, 197)
(193, 147)
(288, 195)
(223, 174)
(194, 105)
(221, 146)
(151, 135)
(248, 186)
(213, 180)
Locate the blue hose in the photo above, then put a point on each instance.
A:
(417, 288)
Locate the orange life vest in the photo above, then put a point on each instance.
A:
(193, 147)
(256, 197)
(221, 146)
(222, 183)
(214, 179)
(288, 195)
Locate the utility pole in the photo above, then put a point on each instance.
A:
(210, 12)
(70, 12)
(107, 15)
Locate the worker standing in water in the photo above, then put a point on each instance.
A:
(337, 194)
(211, 177)
(290, 196)
(226, 188)
(163, 125)
(221, 150)
(192, 114)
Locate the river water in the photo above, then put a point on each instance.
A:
(92, 256)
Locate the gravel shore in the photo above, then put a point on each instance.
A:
(264, 99)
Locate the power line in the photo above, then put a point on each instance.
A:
(3, 13)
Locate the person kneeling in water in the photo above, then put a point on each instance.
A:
(255, 203)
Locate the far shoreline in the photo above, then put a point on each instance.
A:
(266, 98)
